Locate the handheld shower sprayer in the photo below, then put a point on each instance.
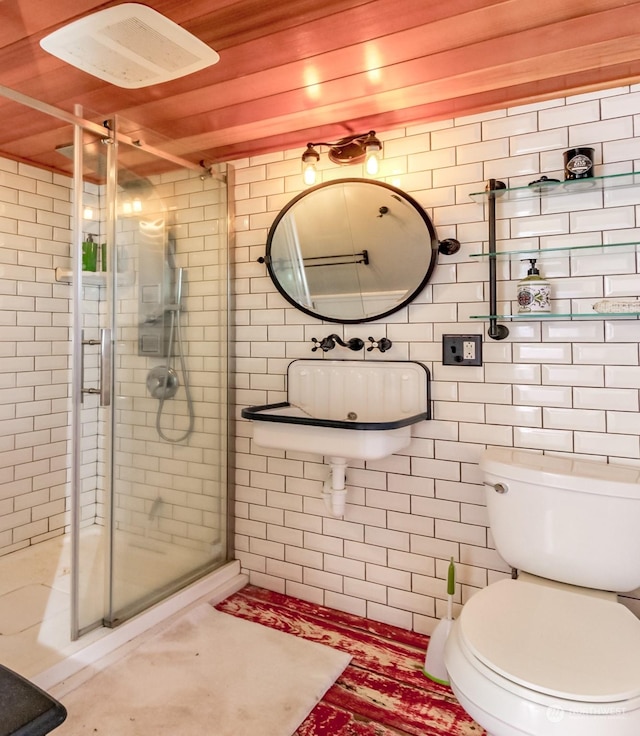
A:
(167, 391)
(176, 305)
(178, 294)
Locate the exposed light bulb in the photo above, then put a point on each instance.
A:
(137, 205)
(309, 174)
(372, 149)
(309, 160)
(88, 213)
(372, 163)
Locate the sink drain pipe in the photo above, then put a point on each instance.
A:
(334, 491)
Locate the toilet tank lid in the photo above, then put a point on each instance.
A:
(565, 644)
(586, 476)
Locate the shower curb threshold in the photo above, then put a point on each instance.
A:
(71, 672)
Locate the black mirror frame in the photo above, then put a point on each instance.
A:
(434, 245)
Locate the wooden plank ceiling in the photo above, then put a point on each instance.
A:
(301, 70)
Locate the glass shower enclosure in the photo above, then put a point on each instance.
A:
(149, 455)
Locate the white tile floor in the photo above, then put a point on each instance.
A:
(35, 586)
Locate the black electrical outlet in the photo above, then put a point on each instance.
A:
(462, 349)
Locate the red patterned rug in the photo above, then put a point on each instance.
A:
(382, 692)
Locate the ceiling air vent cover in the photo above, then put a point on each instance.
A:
(131, 46)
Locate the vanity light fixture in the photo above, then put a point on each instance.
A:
(353, 149)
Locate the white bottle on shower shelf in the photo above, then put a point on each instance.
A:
(533, 292)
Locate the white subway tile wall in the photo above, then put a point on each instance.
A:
(562, 386)
(35, 349)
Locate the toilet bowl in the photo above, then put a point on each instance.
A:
(531, 658)
(536, 656)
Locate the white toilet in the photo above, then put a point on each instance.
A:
(551, 653)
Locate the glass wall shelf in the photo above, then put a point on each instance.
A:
(541, 252)
(560, 188)
(539, 189)
(553, 315)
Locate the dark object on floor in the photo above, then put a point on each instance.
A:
(26, 710)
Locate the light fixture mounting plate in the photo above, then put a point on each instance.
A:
(347, 152)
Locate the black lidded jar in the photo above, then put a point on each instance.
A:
(578, 163)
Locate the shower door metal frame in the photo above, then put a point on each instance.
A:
(105, 390)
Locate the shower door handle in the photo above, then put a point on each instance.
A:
(105, 367)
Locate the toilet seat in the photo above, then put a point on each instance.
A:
(555, 642)
(504, 708)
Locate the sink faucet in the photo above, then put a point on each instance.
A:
(329, 343)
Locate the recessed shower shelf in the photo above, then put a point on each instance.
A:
(94, 278)
(560, 188)
(89, 278)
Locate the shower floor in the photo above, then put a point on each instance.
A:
(35, 598)
(35, 585)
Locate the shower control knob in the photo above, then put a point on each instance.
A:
(162, 382)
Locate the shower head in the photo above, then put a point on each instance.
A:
(93, 157)
(135, 185)
(94, 160)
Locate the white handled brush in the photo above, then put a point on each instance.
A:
(434, 667)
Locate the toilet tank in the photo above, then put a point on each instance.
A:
(571, 520)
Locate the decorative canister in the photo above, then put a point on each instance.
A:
(533, 292)
(578, 163)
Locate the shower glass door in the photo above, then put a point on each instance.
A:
(164, 440)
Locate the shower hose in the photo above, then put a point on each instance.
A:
(174, 327)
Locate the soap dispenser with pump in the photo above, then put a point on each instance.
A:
(533, 292)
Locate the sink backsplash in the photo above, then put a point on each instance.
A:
(363, 391)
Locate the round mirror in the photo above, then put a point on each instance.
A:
(351, 250)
